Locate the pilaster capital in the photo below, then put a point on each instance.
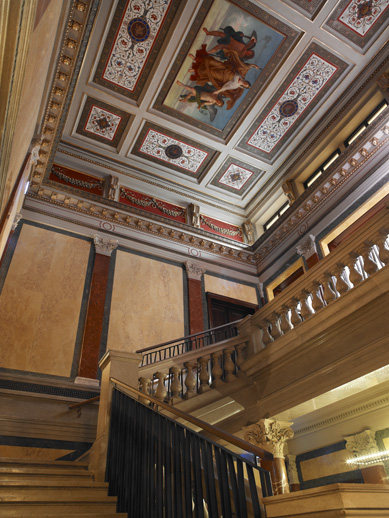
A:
(16, 220)
(361, 444)
(292, 469)
(270, 434)
(104, 246)
(194, 271)
(249, 232)
(307, 246)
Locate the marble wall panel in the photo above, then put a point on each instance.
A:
(229, 288)
(326, 465)
(147, 305)
(40, 302)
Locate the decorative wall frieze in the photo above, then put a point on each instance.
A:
(271, 434)
(46, 194)
(337, 176)
(105, 246)
(194, 271)
(76, 27)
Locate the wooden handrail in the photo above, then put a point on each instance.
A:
(184, 338)
(85, 402)
(217, 432)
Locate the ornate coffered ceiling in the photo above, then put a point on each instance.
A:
(202, 102)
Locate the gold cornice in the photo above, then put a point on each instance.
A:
(71, 203)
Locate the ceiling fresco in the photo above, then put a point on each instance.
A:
(205, 103)
(236, 47)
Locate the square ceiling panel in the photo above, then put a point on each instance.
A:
(235, 176)
(136, 36)
(359, 22)
(172, 150)
(305, 86)
(229, 55)
(308, 8)
(102, 122)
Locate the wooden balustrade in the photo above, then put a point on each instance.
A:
(197, 375)
(332, 278)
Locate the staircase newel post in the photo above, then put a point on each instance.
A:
(124, 367)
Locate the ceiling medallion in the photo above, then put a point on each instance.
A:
(138, 29)
(102, 123)
(173, 151)
(288, 108)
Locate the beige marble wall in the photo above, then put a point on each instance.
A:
(326, 465)
(147, 304)
(41, 300)
(235, 290)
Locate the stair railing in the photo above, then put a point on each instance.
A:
(160, 468)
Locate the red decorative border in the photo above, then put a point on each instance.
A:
(75, 175)
(152, 208)
(221, 224)
(98, 134)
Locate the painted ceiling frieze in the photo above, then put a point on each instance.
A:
(359, 21)
(308, 82)
(153, 205)
(77, 180)
(235, 176)
(221, 228)
(102, 122)
(183, 155)
(232, 50)
(308, 8)
(137, 32)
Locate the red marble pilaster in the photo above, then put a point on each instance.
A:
(95, 312)
(312, 260)
(195, 298)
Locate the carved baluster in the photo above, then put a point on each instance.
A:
(175, 387)
(284, 321)
(216, 369)
(384, 252)
(239, 359)
(266, 336)
(275, 331)
(328, 294)
(204, 374)
(317, 302)
(341, 285)
(295, 317)
(369, 265)
(305, 310)
(144, 387)
(161, 391)
(190, 381)
(229, 366)
(355, 276)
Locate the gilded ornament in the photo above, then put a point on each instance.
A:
(75, 25)
(80, 6)
(62, 76)
(71, 44)
(51, 119)
(58, 91)
(66, 60)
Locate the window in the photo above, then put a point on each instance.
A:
(276, 216)
(361, 128)
(320, 170)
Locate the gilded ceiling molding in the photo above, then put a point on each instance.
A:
(49, 195)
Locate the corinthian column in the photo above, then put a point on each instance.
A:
(364, 445)
(272, 435)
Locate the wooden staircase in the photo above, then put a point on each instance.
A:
(52, 488)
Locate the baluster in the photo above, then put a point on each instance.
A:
(266, 336)
(204, 374)
(190, 381)
(144, 387)
(328, 294)
(341, 285)
(161, 392)
(317, 302)
(229, 366)
(216, 369)
(369, 265)
(284, 321)
(239, 359)
(305, 310)
(383, 251)
(275, 331)
(175, 387)
(295, 317)
(355, 276)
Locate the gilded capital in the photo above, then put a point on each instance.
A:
(361, 444)
(270, 434)
(104, 246)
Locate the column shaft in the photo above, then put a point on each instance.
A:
(196, 317)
